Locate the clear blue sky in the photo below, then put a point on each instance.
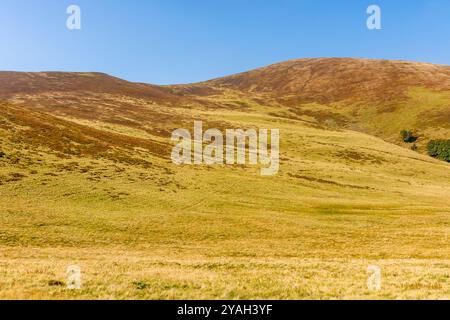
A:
(181, 41)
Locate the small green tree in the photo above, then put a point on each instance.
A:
(408, 136)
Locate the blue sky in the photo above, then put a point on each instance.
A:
(182, 41)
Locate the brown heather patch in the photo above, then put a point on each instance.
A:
(68, 138)
(370, 95)
(12, 83)
(109, 108)
(433, 117)
(199, 89)
(339, 79)
(359, 157)
(377, 97)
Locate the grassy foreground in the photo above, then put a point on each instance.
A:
(342, 201)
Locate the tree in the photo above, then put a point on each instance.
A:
(408, 136)
(439, 149)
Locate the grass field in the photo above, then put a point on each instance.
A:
(86, 179)
(340, 203)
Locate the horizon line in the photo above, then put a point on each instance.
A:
(227, 75)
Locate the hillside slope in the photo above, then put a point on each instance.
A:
(380, 97)
(86, 178)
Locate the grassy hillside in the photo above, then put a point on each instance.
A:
(86, 179)
(378, 97)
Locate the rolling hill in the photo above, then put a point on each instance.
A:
(86, 178)
(379, 97)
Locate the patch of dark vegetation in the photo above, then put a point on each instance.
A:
(51, 174)
(408, 136)
(14, 158)
(67, 139)
(2, 154)
(118, 169)
(114, 195)
(12, 83)
(15, 177)
(439, 149)
(359, 157)
(141, 285)
(86, 169)
(56, 283)
(318, 180)
(69, 167)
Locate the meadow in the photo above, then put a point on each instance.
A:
(339, 204)
(86, 179)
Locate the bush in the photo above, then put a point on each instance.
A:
(55, 283)
(408, 136)
(439, 149)
(141, 285)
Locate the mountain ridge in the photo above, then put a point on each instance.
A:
(379, 97)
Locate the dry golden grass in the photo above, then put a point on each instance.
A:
(339, 203)
(97, 190)
(121, 273)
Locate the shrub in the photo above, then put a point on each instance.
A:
(141, 285)
(55, 283)
(408, 136)
(439, 149)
